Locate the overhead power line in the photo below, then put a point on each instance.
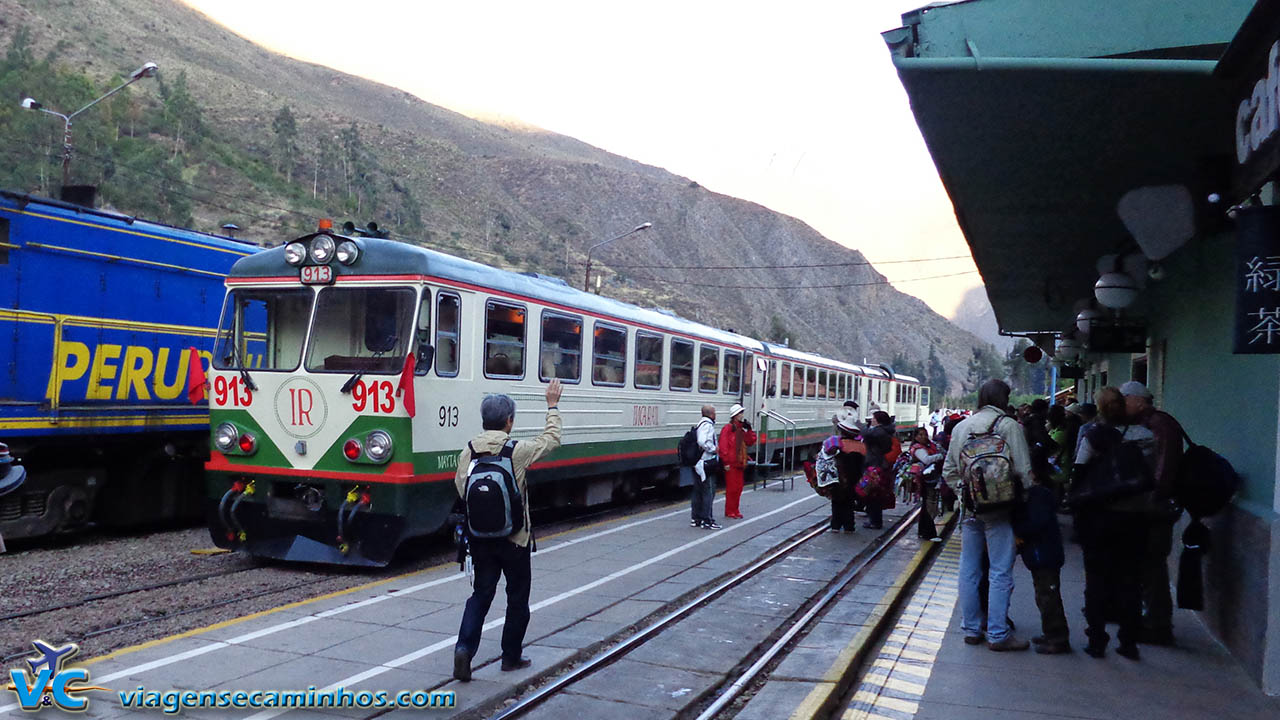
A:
(808, 287)
(780, 267)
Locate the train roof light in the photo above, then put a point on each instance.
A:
(322, 249)
(295, 253)
(347, 252)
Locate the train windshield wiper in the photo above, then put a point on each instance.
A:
(234, 359)
(351, 381)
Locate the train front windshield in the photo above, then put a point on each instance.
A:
(361, 329)
(263, 329)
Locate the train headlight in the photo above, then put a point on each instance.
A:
(351, 449)
(322, 249)
(248, 443)
(225, 436)
(295, 253)
(377, 445)
(347, 252)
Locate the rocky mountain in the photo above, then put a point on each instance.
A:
(976, 315)
(523, 199)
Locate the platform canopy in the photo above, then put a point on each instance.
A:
(1041, 114)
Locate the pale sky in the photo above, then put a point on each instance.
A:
(793, 105)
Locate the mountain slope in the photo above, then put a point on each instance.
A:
(524, 199)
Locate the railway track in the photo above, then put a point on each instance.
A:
(752, 666)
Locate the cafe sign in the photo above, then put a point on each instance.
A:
(1257, 270)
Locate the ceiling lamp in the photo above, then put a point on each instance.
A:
(1085, 318)
(1115, 290)
(1068, 349)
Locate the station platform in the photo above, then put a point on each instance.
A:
(921, 668)
(398, 634)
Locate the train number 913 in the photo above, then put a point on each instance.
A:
(378, 396)
(448, 416)
(230, 391)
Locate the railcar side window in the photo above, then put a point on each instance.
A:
(648, 360)
(357, 329)
(732, 372)
(771, 381)
(681, 364)
(561, 351)
(448, 315)
(609, 356)
(503, 340)
(708, 368)
(263, 329)
(822, 383)
(785, 389)
(811, 383)
(749, 372)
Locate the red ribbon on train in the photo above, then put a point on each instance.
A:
(196, 378)
(406, 385)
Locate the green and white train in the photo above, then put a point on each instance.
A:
(348, 372)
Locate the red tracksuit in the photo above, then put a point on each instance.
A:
(734, 439)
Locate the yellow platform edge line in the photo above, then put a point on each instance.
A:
(853, 653)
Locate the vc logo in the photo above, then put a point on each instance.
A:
(49, 684)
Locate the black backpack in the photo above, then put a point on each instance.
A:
(1205, 481)
(688, 450)
(1121, 471)
(493, 503)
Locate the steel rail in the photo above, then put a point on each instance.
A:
(529, 702)
(800, 623)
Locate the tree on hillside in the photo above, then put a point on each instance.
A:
(935, 374)
(285, 152)
(182, 115)
(1017, 370)
(778, 333)
(982, 366)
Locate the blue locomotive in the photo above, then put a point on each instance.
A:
(97, 312)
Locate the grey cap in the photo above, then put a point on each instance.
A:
(1133, 387)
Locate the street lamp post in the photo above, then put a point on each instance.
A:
(586, 280)
(147, 70)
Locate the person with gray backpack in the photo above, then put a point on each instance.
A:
(988, 465)
(491, 482)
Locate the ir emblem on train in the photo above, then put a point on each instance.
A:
(301, 407)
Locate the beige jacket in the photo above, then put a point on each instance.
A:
(527, 452)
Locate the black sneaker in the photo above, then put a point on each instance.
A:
(711, 525)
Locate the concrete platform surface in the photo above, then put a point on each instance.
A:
(925, 670)
(588, 584)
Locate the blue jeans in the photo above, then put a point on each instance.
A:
(494, 557)
(989, 535)
(704, 493)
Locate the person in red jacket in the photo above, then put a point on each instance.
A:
(734, 439)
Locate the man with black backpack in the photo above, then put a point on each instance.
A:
(491, 483)
(701, 448)
(1163, 513)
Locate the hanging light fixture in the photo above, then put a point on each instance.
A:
(1115, 290)
(1069, 348)
(1085, 318)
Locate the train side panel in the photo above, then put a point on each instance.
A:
(98, 313)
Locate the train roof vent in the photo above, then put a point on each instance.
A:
(547, 278)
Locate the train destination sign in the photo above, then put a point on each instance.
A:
(316, 274)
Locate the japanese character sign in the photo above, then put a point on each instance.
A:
(1257, 311)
